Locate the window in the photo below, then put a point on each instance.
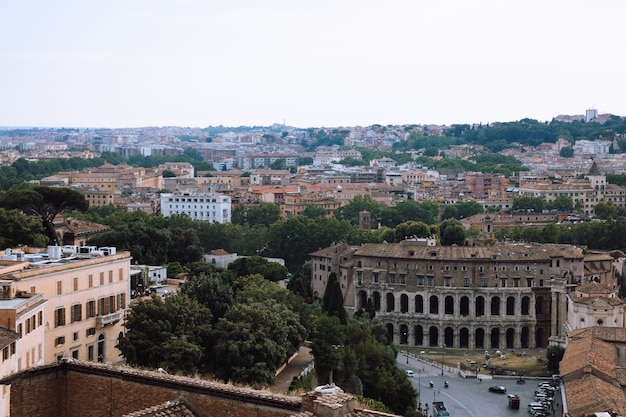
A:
(359, 277)
(503, 282)
(19, 329)
(392, 278)
(375, 275)
(464, 268)
(101, 307)
(75, 336)
(402, 279)
(75, 354)
(121, 301)
(75, 284)
(481, 269)
(485, 282)
(101, 278)
(447, 281)
(112, 304)
(77, 313)
(90, 280)
(91, 331)
(91, 309)
(40, 316)
(59, 341)
(121, 274)
(110, 277)
(529, 282)
(59, 317)
(466, 282)
(420, 280)
(59, 287)
(431, 281)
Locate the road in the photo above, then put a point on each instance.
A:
(468, 397)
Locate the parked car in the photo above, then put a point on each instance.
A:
(410, 373)
(498, 389)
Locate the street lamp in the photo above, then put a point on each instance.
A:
(442, 355)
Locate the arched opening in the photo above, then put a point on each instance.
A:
(404, 334)
(539, 306)
(391, 302)
(448, 337)
(418, 334)
(525, 306)
(449, 305)
(433, 336)
(464, 338)
(362, 299)
(433, 304)
(479, 338)
(495, 338)
(495, 306)
(404, 303)
(390, 332)
(510, 338)
(480, 306)
(510, 306)
(524, 337)
(539, 337)
(464, 306)
(376, 296)
(419, 304)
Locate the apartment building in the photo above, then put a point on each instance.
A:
(587, 192)
(86, 292)
(21, 333)
(505, 296)
(199, 206)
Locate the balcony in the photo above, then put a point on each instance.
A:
(110, 318)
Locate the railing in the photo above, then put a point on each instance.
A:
(109, 318)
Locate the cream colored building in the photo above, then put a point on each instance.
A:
(21, 332)
(87, 292)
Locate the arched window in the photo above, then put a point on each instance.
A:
(419, 304)
(433, 304)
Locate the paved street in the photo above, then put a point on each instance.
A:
(468, 397)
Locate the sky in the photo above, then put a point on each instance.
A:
(322, 63)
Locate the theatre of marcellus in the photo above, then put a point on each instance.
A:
(501, 296)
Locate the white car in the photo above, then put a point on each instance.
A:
(410, 373)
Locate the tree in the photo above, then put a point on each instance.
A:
(166, 333)
(238, 214)
(326, 341)
(566, 152)
(452, 232)
(253, 340)
(18, 229)
(263, 213)
(411, 229)
(605, 210)
(332, 302)
(272, 271)
(278, 164)
(352, 210)
(211, 287)
(46, 203)
(312, 212)
(169, 174)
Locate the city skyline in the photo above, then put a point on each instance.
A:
(193, 63)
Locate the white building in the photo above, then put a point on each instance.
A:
(199, 206)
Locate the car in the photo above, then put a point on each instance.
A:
(498, 389)
(410, 373)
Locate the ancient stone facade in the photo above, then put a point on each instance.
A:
(505, 296)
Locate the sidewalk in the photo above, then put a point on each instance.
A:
(299, 362)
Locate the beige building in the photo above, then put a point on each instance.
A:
(87, 293)
(21, 333)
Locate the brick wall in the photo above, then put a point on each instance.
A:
(76, 389)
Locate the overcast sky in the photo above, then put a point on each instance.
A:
(133, 63)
